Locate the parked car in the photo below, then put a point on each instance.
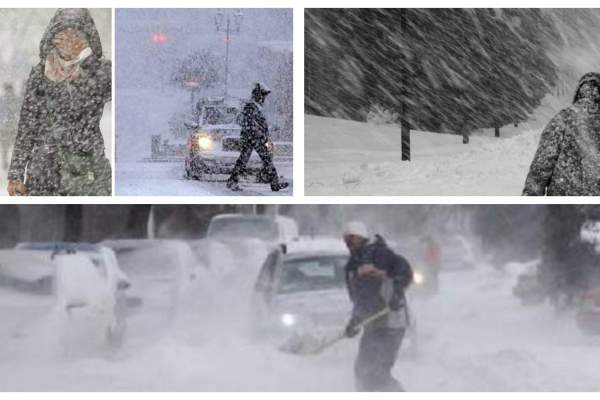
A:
(457, 253)
(274, 230)
(304, 291)
(161, 272)
(83, 280)
(213, 142)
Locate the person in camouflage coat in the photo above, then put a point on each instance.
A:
(567, 161)
(255, 136)
(59, 149)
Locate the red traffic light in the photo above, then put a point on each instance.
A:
(159, 38)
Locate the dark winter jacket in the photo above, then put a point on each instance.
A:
(253, 122)
(368, 294)
(63, 115)
(567, 161)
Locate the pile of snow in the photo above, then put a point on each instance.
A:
(352, 158)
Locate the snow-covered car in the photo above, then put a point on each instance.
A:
(457, 253)
(83, 280)
(213, 142)
(251, 237)
(274, 230)
(302, 291)
(161, 272)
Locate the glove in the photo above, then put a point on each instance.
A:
(351, 329)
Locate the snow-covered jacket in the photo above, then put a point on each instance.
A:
(66, 113)
(253, 122)
(369, 294)
(567, 161)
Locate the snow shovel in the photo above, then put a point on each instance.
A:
(309, 345)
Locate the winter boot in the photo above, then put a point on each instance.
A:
(277, 186)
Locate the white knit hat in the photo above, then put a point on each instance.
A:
(356, 228)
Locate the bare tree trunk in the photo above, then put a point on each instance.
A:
(405, 127)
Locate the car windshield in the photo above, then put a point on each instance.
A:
(218, 115)
(314, 273)
(258, 228)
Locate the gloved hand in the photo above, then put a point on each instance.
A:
(16, 188)
(351, 329)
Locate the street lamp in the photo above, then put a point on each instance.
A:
(227, 23)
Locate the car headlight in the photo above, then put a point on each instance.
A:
(205, 142)
(418, 278)
(288, 320)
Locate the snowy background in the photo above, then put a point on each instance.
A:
(472, 336)
(150, 46)
(457, 72)
(20, 33)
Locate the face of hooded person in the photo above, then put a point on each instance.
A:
(70, 43)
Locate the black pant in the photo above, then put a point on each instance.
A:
(377, 354)
(265, 153)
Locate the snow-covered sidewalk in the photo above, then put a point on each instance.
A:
(352, 158)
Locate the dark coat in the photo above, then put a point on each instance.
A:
(567, 161)
(64, 114)
(370, 295)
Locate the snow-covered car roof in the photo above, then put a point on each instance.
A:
(306, 246)
(58, 246)
(126, 244)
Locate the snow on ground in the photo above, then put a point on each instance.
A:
(352, 158)
(167, 179)
(473, 337)
(142, 113)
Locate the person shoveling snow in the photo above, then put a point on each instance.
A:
(376, 278)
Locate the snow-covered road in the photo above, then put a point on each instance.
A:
(352, 158)
(473, 337)
(167, 179)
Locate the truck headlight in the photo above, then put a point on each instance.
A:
(288, 320)
(205, 142)
(418, 278)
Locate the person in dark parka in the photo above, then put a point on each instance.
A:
(567, 161)
(59, 149)
(376, 278)
(255, 136)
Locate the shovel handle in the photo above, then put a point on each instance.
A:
(374, 317)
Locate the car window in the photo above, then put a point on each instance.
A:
(315, 273)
